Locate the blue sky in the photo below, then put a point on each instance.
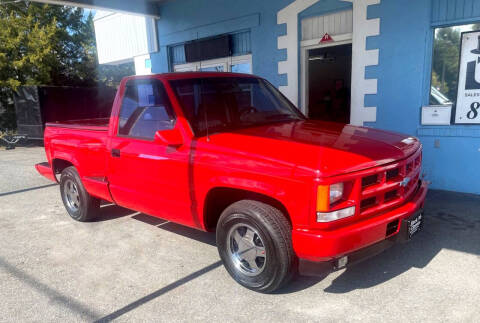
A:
(87, 11)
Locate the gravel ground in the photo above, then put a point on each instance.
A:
(131, 267)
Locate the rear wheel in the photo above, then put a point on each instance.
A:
(80, 205)
(254, 242)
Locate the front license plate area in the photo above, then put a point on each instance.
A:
(414, 224)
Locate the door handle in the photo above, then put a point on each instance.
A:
(115, 153)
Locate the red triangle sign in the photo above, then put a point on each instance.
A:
(326, 38)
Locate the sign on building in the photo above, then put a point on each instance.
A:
(468, 95)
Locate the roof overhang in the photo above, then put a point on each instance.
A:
(139, 7)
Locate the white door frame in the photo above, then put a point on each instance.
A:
(307, 45)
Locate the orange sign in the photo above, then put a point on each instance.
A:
(326, 38)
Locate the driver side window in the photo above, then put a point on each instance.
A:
(145, 109)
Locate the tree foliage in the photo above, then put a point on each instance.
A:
(42, 44)
(446, 53)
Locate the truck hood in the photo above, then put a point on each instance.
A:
(325, 148)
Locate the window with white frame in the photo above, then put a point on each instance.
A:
(239, 61)
(235, 64)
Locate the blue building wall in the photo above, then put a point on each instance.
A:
(401, 73)
(192, 19)
(454, 11)
(405, 42)
(323, 7)
(405, 48)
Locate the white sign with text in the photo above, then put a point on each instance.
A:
(468, 96)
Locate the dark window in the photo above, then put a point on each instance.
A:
(229, 103)
(145, 109)
(205, 49)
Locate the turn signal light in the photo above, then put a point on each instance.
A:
(323, 200)
(328, 194)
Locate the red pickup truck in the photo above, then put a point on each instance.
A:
(229, 153)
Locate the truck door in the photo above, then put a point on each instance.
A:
(146, 175)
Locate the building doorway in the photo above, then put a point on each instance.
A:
(328, 80)
(326, 66)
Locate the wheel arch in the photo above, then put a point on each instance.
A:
(59, 164)
(219, 198)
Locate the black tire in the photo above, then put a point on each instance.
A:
(80, 206)
(278, 263)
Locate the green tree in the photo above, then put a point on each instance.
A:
(111, 75)
(446, 51)
(42, 44)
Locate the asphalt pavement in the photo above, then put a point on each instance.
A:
(132, 267)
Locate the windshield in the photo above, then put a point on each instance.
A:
(228, 103)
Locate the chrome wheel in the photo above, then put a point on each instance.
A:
(246, 249)
(72, 195)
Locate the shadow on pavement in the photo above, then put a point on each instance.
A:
(53, 295)
(299, 283)
(452, 221)
(159, 293)
(149, 219)
(201, 236)
(109, 211)
(75, 306)
(27, 189)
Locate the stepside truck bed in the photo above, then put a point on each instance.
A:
(82, 142)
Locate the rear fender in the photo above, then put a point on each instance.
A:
(46, 171)
(67, 157)
(96, 186)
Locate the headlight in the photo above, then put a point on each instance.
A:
(328, 194)
(336, 192)
(335, 215)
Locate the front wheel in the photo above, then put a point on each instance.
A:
(80, 205)
(254, 242)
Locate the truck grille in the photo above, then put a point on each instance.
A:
(385, 187)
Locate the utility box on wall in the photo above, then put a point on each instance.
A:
(436, 115)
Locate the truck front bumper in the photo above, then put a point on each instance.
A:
(326, 246)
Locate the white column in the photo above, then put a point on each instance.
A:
(361, 57)
(289, 16)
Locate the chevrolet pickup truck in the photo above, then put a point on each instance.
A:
(229, 153)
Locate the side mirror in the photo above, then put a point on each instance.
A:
(170, 137)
